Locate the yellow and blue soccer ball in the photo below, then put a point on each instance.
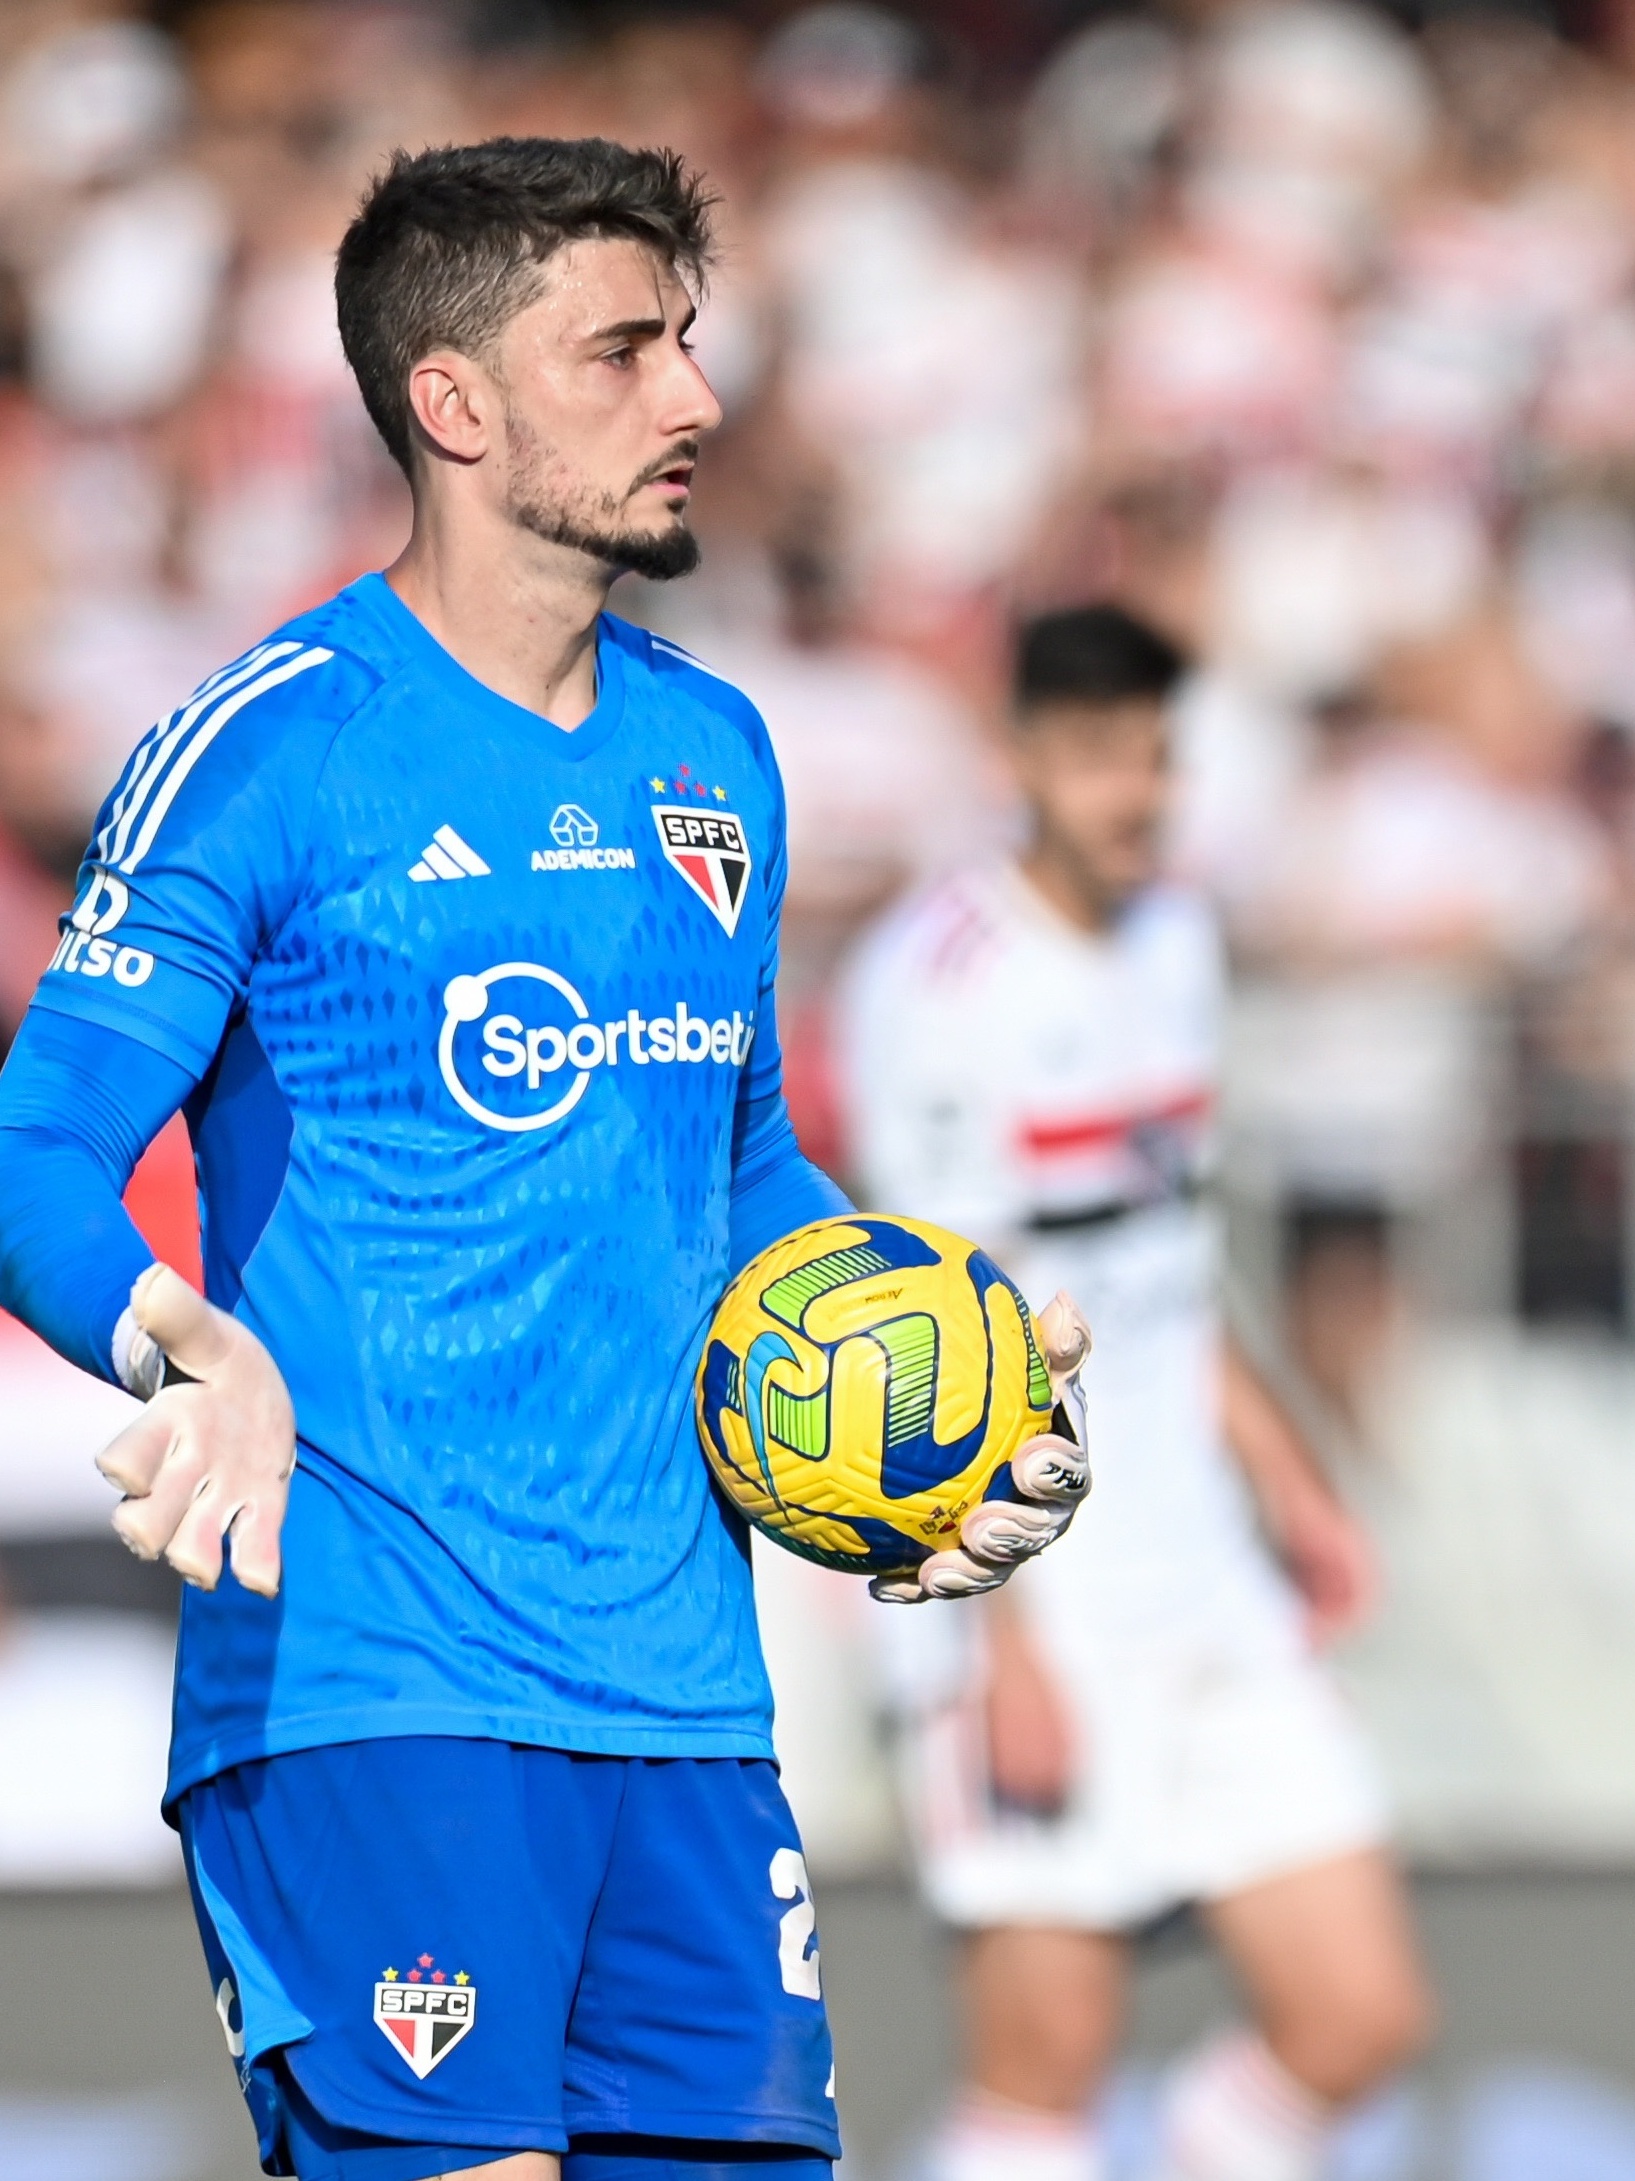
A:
(864, 1384)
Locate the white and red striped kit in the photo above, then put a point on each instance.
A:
(1052, 1094)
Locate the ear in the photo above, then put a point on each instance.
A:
(454, 405)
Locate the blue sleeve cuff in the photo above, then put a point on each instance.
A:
(792, 1197)
(775, 1187)
(189, 1043)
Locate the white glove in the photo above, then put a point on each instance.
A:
(211, 1454)
(1051, 1474)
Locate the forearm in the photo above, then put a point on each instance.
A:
(1264, 1439)
(775, 1187)
(68, 1250)
(1326, 1553)
(78, 1106)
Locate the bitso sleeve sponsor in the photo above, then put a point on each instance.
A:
(84, 950)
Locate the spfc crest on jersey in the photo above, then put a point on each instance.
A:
(711, 851)
(425, 2013)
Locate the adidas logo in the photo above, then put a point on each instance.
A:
(447, 856)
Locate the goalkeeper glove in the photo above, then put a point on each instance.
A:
(1051, 1476)
(211, 1454)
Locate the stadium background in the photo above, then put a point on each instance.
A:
(1306, 330)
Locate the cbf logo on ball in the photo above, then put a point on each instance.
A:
(519, 1044)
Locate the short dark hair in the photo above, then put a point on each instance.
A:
(447, 246)
(1093, 655)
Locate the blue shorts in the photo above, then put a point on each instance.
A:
(430, 1952)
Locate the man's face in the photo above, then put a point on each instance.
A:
(1096, 778)
(603, 409)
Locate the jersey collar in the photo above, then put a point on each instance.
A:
(570, 745)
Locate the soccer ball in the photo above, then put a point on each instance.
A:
(863, 1386)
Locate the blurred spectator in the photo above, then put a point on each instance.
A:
(929, 358)
(1431, 855)
(1098, 126)
(127, 266)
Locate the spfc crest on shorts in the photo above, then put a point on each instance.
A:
(711, 851)
(425, 2013)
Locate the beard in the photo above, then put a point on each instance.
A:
(660, 555)
(590, 523)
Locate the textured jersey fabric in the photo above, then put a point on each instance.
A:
(479, 1018)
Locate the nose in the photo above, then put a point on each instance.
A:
(690, 405)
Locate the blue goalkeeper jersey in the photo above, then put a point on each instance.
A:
(479, 1014)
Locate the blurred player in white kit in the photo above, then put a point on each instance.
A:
(1031, 1057)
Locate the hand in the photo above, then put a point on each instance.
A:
(1330, 1560)
(211, 1454)
(1029, 1733)
(1051, 1476)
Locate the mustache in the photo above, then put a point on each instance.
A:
(684, 450)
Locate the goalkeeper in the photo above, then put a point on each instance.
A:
(449, 917)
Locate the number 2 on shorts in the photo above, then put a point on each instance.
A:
(797, 1967)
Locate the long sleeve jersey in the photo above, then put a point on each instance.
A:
(472, 1022)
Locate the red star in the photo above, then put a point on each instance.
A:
(426, 1960)
(684, 768)
(414, 1976)
(438, 1977)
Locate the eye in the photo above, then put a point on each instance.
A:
(620, 358)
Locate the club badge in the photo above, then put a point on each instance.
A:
(711, 851)
(425, 2012)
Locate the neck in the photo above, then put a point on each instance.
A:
(1067, 887)
(517, 612)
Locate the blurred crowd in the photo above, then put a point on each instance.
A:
(1308, 334)
(1303, 329)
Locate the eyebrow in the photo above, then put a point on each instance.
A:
(629, 328)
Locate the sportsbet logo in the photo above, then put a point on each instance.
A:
(518, 1046)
